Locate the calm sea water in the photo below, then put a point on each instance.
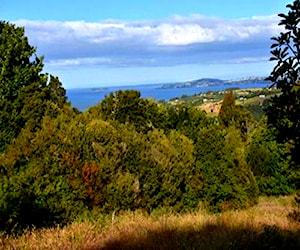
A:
(84, 98)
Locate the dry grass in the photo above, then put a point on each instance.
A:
(265, 226)
(211, 108)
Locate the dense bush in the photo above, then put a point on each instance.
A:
(78, 162)
(73, 163)
(128, 107)
(228, 183)
(270, 164)
(131, 153)
(36, 177)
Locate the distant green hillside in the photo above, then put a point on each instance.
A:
(204, 82)
(255, 100)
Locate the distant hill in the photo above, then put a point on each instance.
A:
(205, 82)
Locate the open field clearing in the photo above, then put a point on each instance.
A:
(264, 226)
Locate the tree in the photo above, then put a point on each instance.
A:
(17, 70)
(25, 92)
(268, 161)
(188, 120)
(40, 175)
(284, 109)
(128, 107)
(227, 181)
(226, 114)
(234, 115)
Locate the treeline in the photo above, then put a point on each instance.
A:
(131, 153)
(127, 152)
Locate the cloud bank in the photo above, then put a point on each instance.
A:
(175, 41)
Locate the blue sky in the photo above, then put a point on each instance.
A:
(102, 43)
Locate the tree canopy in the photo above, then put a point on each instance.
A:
(130, 153)
(25, 91)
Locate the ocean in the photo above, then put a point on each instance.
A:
(84, 98)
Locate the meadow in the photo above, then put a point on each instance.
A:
(267, 225)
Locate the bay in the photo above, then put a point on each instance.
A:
(84, 98)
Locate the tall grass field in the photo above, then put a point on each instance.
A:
(265, 226)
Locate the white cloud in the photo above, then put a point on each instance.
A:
(184, 34)
(78, 61)
(242, 60)
(175, 41)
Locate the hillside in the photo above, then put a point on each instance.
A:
(205, 82)
(211, 101)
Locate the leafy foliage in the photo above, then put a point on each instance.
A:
(235, 115)
(284, 110)
(128, 107)
(269, 163)
(130, 153)
(25, 92)
(228, 183)
(188, 120)
(37, 177)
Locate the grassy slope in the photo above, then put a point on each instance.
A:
(214, 99)
(265, 226)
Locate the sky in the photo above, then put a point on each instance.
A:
(90, 43)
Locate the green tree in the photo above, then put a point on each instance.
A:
(40, 182)
(228, 182)
(188, 120)
(284, 109)
(25, 92)
(17, 68)
(128, 107)
(227, 111)
(235, 115)
(270, 166)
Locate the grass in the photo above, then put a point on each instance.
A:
(264, 226)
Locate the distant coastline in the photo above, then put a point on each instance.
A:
(85, 98)
(205, 82)
(100, 89)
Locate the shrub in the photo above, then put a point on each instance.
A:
(269, 163)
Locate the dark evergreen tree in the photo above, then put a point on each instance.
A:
(235, 115)
(270, 166)
(25, 92)
(227, 111)
(227, 181)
